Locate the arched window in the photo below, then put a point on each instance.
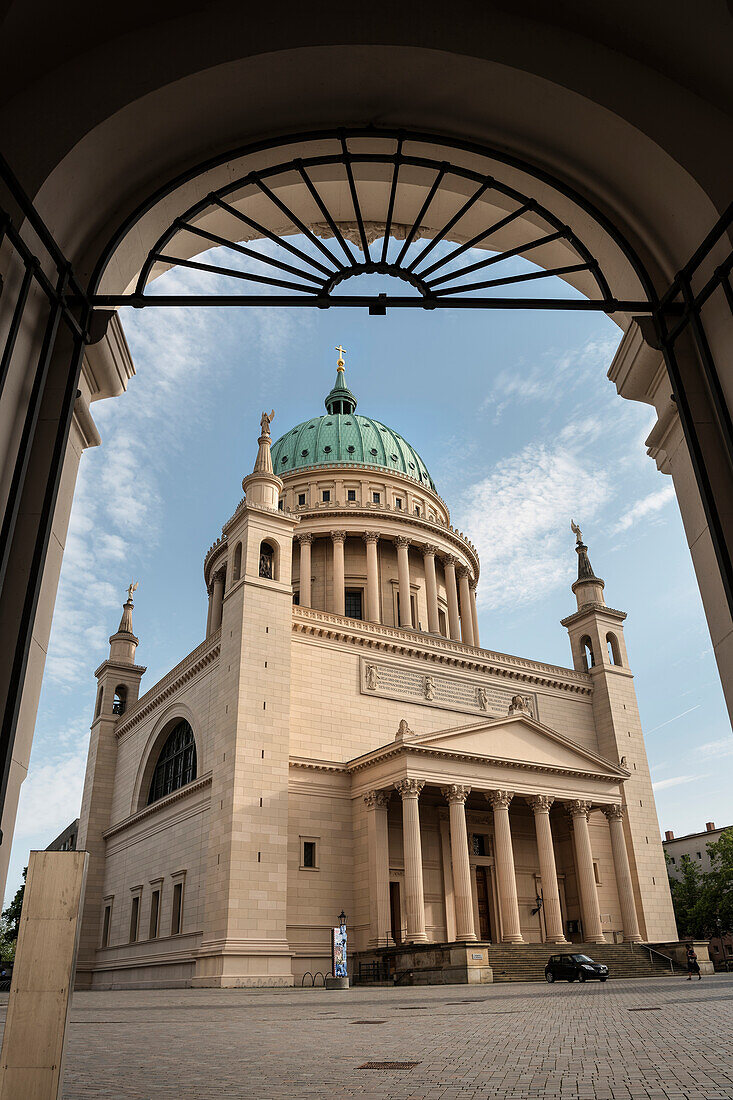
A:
(614, 653)
(586, 648)
(267, 561)
(176, 764)
(237, 565)
(119, 703)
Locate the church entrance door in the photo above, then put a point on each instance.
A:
(482, 897)
(395, 911)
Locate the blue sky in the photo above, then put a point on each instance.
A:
(520, 429)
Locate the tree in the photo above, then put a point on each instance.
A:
(720, 883)
(687, 894)
(10, 923)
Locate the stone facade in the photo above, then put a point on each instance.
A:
(354, 748)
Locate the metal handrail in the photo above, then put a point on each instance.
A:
(659, 955)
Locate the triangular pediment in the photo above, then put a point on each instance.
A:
(518, 738)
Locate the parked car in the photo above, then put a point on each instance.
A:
(570, 967)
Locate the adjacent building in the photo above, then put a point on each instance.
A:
(340, 740)
(694, 845)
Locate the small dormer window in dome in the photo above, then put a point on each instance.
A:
(411, 465)
(347, 422)
(327, 450)
(304, 453)
(373, 451)
(311, 426)
(284, 459)
(393, 457)
(329, 423)
(351, 448)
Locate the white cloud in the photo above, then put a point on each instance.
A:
(717, 749)
(519, 516)
(649, 504)
(675, 781)
(50, 798)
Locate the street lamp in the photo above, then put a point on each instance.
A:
(342, 919)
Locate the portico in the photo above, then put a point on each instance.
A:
(467, 843)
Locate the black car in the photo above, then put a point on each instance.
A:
(570, 967)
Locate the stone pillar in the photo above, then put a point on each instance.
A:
(474, 614)
(624, 885)
(338, 598)
(379, 915)
(451, 591)
(592, 931)
(466, 613)
(505, 875)
(216, 601)
(541, 804)
(305, 541)
(431, 588)
(409, 791)
(456, 795)
(371, 538)
(209, 591)
(403, 574)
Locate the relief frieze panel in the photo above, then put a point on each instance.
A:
(392, 680)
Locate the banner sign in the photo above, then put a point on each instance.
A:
(338, 952)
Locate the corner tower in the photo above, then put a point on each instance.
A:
(244, 936)
(598, 647)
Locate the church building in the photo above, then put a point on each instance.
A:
(340, 741)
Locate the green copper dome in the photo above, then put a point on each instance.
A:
(342, 437)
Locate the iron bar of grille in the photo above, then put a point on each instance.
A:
(497, 258)
(392, 197)
(712, 377)
(14, 328)
(315, 194)
(263, 257)
(423, 211)
(478, 239)
(525, 278)
(285, 209)
(471, 201)
(272, 236)
(38, 558)
(720, 277)
(613, 305)
(231, 273)
(30, 423)
(355, 200)
(49, 288)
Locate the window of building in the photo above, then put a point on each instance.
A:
(442, 623)
(699, 855)
(119, 703)
(267, 561)
(326, 496)
(176, 764)
(417, 509)
(479, 844)
(614, 653)
(586, 648)
(309, 853)
(376, 498)
(106, 923)
(301, 499)
(135, 918)
(237, 564)
(296, 598)
(353, 603)
(412, 607)
(398, 503)
(596, 872)
(351, 494)
(155, 914)
(672, 859)
(281, 504)
(177, 911)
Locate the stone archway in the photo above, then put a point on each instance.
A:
(561, 90)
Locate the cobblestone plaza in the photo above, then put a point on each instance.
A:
(626, 1039)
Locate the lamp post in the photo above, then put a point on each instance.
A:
(339, 961)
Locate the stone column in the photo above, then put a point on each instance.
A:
(505, 874)
(403, 574)
(409, 791)
(466, 613)
(615, 815)
(456, 795)
(379, 915)
(431, 588)
(210, 592)
(474, 613)
(541, 804)
(338, 598)
(592, 931)
(371, 538)
(305, 569)
(451, 591)
(216, 602)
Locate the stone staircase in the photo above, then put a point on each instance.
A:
(526, 962)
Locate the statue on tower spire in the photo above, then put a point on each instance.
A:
(588, 588)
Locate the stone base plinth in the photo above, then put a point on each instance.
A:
(337, 983)
(677, 951)
(227, 967)
(424, 964)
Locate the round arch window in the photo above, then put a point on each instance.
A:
(176, 764)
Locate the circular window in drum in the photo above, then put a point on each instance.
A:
(327, 450)
(373, 451)
(351, 448)
(284, 459)
(304, 453)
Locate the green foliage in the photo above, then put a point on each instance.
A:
(10, 923)
(703, 903)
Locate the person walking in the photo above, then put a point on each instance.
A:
(693, 966)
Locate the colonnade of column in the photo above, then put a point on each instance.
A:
(506, 885)
(460, 587)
